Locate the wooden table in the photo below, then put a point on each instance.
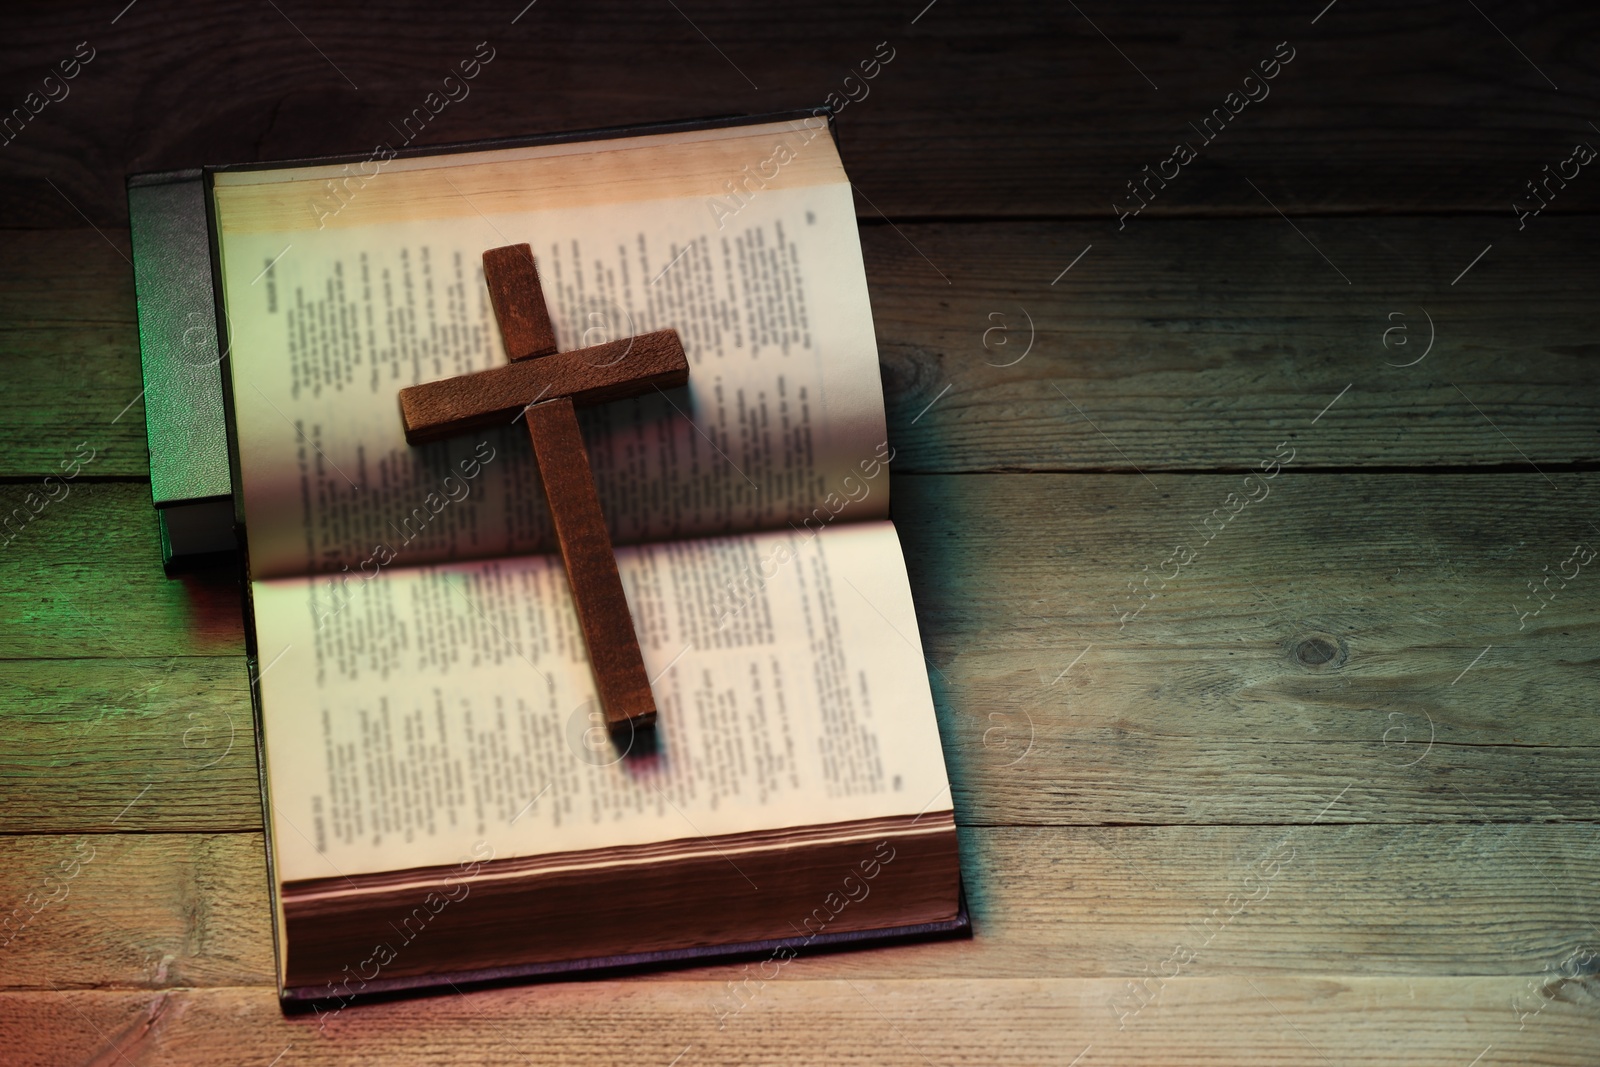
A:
(1328, 796)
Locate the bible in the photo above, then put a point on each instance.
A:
(442, 799)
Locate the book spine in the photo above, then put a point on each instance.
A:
(184, 427)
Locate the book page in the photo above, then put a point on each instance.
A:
(442, 708)
(331, 312)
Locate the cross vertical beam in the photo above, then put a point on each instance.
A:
(591, 565)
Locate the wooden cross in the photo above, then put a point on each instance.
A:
(548, 386)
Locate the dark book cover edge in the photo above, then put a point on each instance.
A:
(302, 999)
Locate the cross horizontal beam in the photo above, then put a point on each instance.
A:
(438, 410)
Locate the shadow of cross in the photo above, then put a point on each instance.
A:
(548, 386)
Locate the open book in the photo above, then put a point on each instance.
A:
(442, 800)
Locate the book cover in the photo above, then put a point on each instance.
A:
(189, 478)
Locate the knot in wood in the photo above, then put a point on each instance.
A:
(1316, 652)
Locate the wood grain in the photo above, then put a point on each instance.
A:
(70, 342)
(1184, 345)
(1006, 109)
(127, 744)
(1253, 689)
(1197, 345)
(622, 368)
(512, 278)
(609, 636)
(83, 579)
(143, 910)
(1273, 663)
(1200, 1021)
(1344, 672)
(158, 910)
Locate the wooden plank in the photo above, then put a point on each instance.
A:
(1326, 636)
(940, 128)
(1201, 1021)
(83, 579)
(135, 910)
(1197, 345)
(1268, 745)
(1179, 345)
(1377, 564)
(1176, 346)
(1281, 900)
(1318, 642)
(70, 339)
(127, 744)
(161, 910)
